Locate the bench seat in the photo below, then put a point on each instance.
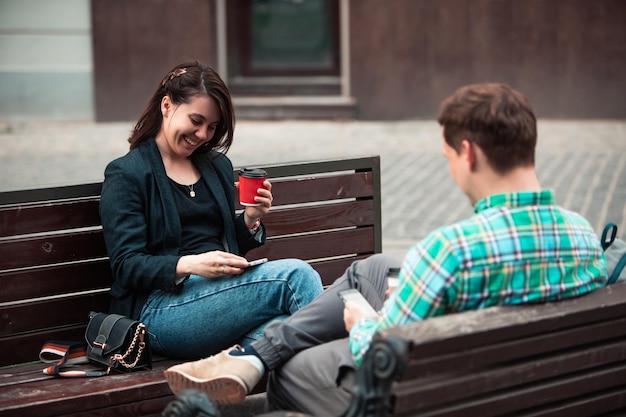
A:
(54, 270)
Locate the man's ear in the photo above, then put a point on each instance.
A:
(468, 151)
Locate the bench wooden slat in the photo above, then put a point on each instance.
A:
(38, 195)
(21, 374)
(586, 405)
(55, 396)
(72, 214)
(23, 317)
(327, 188)
(320, 245)
(25, 348)
(535, 395)
(300, 169)
(315, 168)
(46, 250)
(441, 335)
(32, 372)
(475, 358)
(41, 282)
(307, 219)
(47, 217)
(437, 392)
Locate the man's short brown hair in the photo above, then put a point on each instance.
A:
(495, 117)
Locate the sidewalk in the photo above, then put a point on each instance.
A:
(584, 161)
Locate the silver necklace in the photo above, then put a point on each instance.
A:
(192, 193)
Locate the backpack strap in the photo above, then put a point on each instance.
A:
(612, 228)
(619, 267)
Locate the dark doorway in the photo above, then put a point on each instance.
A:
(283, 44)
(283, 37)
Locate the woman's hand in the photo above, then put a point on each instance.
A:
(211, 264)
(264, 197)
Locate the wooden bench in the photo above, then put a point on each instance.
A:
(54, 270)
(565, 358)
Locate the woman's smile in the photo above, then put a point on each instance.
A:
(189, 125)
(190, 142)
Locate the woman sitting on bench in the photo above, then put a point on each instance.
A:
(175, 243)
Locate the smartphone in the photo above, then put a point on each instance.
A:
(257, 262)
(393, 273)
(356, 297)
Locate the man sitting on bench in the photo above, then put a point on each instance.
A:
(519, 247)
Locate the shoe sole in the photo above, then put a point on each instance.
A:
(223, 390)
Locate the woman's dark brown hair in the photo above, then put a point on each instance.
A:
(495, 117)
(181, 84)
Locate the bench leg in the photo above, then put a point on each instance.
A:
(383, 364)
(191, 403)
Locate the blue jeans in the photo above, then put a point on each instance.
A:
(209, 315)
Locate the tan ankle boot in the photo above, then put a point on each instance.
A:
(227, 379)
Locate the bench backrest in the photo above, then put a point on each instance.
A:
(54, 267)
(556, 358)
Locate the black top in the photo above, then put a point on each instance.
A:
(201, 222)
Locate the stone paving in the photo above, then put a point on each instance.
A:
(584, 161)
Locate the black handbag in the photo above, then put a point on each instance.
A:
(117, 342)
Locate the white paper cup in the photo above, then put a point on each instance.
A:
(392, 283)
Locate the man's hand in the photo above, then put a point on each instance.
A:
(353, 313)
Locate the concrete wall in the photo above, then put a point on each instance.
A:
(137, 41)
(567, 56)
(45, 60)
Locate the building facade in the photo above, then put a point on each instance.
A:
(341, 59)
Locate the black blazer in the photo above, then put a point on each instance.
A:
(142, 228)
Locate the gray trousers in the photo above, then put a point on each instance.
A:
(308, 354)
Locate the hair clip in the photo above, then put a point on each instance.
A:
(176, 73)
(180, 71)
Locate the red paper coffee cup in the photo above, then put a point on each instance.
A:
(250, 180)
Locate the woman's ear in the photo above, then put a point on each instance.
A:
(166, 105)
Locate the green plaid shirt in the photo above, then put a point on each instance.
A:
(517, 248)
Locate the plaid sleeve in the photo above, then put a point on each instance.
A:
(427, 271)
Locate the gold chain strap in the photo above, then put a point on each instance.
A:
(140, 333)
